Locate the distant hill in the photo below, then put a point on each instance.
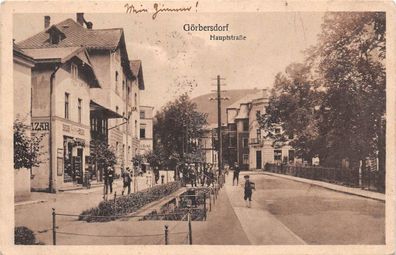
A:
(210, 107)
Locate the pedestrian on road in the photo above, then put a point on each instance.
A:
(126, 178)
(109, 179)
(236, 174)
(249, 186)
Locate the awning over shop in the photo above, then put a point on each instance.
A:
(107, 113)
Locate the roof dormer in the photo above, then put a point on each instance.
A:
(55, 35)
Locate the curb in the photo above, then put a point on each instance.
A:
(30, 202)
(324, 185)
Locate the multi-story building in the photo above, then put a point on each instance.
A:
(146, 129)
(84, 90)
(207, 144)
(238, 130)
(248, 144)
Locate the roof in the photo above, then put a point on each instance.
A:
(63, 55)
(110, 114)
(245, 100)
(54, 54)
(18, 52)
(135, 66)
(76, 35)
(137, 71)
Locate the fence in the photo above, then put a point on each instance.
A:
(367, 179)
(163, 237)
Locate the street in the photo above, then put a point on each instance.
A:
(283, 212)
(302, 213)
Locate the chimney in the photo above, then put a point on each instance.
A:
(89, 25)
(47, 21)
(80, 18)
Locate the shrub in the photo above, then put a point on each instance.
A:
(110, 210)
(24, 236)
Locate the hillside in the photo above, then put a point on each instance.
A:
(207, 106)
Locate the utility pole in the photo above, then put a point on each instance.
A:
(219, 135)
(219, 161)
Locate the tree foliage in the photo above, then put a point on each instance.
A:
(334, 102)
(177, 127)
(27, 149)
(103, 154)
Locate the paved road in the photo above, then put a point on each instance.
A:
(289, 212)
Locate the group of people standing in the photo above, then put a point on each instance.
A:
(197, 174)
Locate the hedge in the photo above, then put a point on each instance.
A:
(24, 235)
(110, 210)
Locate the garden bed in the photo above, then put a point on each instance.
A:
(121, 206)
(190, 201)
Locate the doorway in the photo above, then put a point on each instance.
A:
(258, 159)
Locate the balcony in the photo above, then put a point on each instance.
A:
(255, 141)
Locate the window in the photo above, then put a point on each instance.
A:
(79, 110)
(123, 89)
(142, 114)
(123, 152)
(117, 118)
(277, 131)
(74, 71)
(258, 113)
(277, 155)
(116, 82)
(142, 133)
(136, 100)
(245, 142)
(123, 120)
(245, 125)
(258, 131)
(136, 129)
(291, 136)
(291, 156)
(245, 158)
(116, 149)
(67, 106)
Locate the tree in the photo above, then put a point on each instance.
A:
(103, 155)
(26, 148)
(177, 127)
(350, 60)
(292, 107)
(334, 103)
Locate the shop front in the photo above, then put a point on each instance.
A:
(72, 144)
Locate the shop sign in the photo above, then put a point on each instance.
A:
(73, 130)
(40, 126)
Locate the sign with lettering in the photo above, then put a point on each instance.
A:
(40, 126)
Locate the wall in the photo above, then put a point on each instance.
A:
(22, 103)
(21, 184)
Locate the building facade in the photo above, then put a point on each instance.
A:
(84, 91)
(146, 129)
(248, 144)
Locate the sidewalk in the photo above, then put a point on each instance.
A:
(331, 186)
(260, 226)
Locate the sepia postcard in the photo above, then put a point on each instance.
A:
(197, 127)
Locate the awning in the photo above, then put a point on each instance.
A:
(107, 113)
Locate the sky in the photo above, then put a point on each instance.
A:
(176, 61)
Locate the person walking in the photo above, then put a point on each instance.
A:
(249, 187)
(236, 174)
(110, 178)
(126, 178)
